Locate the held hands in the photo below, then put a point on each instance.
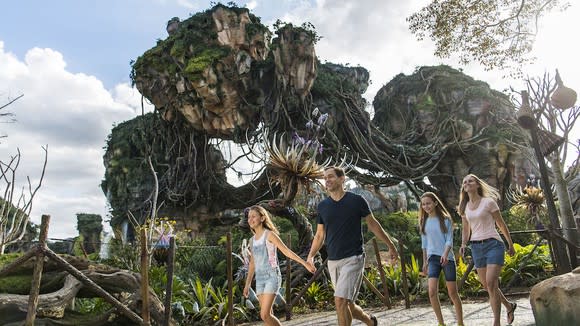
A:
(444, 259)
(309, 265)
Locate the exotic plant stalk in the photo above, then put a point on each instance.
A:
(294, 163)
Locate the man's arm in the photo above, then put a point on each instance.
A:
(376, 228)
(316, 243)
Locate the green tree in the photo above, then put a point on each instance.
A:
(495, 33)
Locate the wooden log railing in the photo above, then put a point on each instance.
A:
(41, 250)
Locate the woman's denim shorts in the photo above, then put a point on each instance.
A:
(488, 252)
(268, 281)
(435, 268)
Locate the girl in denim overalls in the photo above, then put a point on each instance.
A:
(264, 262)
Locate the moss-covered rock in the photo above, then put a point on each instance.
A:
(445, 113)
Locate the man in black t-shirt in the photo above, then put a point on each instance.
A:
(340, 228)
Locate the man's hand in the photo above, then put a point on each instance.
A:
(310, 266)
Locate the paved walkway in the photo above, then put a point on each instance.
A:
(475, 314)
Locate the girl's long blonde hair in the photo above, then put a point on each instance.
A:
(440, 210)
(267, 223)
(484, 190)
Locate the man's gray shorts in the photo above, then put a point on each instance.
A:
(346, 275)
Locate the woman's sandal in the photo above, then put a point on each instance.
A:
(510, 313)
(374, 320)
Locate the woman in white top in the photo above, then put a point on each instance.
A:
(437, 243)
(264, 262)
(480, 214)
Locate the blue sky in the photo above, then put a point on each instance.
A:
(70, 59)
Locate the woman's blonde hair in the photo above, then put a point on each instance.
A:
(267, 223)
(440, 210)
(484, 190)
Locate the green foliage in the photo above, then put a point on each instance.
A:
(207, 304)
(126, 171)
(318, 296)
(497, 34)
(403, 226)
(332, 79)
(191, 48)
(17, 284)
(123, 256)
(92, 306)
(78, 246)
(518, 220)
(534, 267)
(89, 223)
(472, 284)
(158, 282)
(90, 227)
(197, 64)
(195, 258)
(307, 28)
(394, 275)
(394, 278)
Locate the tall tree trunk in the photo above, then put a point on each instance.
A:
(565, 203)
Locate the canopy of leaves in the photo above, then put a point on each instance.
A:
(495, 33)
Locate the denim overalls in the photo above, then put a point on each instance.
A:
(267, 270)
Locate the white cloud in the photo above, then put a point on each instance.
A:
(73, 114)
(186, 4)
(252, 4)
(377, 39)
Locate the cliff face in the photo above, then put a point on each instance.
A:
(450, 114)
(206, 71)
(224, 74)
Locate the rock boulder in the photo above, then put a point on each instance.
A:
(556, 301)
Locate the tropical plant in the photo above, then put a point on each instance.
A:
(158, 282)
(394, 277)
(531, 199)
(317, 295)
(123, 256)
(532, 266)
(92, 306)
(207, 304)
(195, 258)
(472, 284)
(294, 161)
(403, 227)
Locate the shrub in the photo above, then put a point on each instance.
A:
(533, 266)
(403, 226)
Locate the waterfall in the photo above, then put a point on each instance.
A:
(104, 253)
